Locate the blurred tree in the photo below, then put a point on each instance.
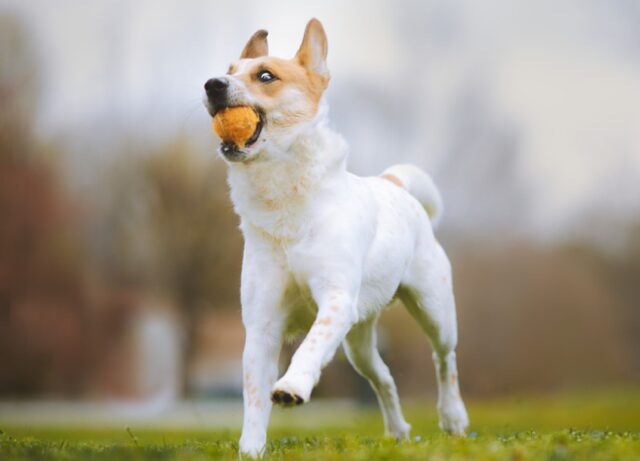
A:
(171, 230)
(624, 274)
(42, 296)
(18, 89)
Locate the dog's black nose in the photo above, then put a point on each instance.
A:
(216, 86)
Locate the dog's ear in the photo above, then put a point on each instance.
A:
(256, 46)
(312, 53)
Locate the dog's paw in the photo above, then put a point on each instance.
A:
(285, 398)
(250, 454)
(399, 431)
(453, 417)
(251, 449)
(290, 391)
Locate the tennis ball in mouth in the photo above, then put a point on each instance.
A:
(236, 124)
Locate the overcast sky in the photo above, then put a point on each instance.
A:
(561, 78)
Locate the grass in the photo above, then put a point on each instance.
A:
(584, 426)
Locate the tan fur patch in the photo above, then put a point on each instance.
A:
(299, 83)
(324, 321)
(289, 74)
(256, 46)
(393, 178)
(313, 50)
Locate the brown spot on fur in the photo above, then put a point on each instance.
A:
(271, 204)
(393, 178)
(334, 308)
(452, 379)
(324, 321)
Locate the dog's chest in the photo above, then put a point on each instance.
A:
(275, 201)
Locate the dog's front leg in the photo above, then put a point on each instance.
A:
(260, 371)
(263, 285)
(336, 316)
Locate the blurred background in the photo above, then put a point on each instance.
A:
(119, 249)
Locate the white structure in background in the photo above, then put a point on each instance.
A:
(216, 369)
(157, 355)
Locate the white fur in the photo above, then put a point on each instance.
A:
(325, 252)
(421, 186)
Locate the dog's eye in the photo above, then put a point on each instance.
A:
(265, 76)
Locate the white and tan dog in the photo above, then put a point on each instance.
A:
(325, 250)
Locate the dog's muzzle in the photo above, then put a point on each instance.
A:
(217, 90)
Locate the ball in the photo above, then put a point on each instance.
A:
(236, 124)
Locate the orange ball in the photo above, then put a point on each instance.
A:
(236, 124)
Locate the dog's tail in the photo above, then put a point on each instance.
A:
(421, 186)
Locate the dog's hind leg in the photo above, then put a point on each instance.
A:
(427, 293)
(360, 345)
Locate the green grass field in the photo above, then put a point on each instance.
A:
(583, 426)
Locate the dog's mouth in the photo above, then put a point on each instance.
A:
(230, 149)
(256, 134)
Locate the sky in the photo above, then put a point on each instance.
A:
(447, 85)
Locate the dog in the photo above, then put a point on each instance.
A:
(326, 251)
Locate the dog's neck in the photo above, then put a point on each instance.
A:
(272, 192)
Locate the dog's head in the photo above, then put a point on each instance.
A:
(285, 93)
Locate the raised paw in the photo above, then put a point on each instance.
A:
(286, 399)
(292, 389)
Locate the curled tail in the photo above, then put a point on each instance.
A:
(420, 185)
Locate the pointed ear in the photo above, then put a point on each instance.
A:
(312, 53)
(256, 46)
